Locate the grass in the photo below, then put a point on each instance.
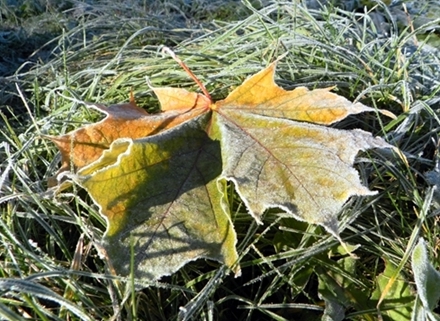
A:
(49, 263)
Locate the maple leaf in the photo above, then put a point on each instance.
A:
(160, 183)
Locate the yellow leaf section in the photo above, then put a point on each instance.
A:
(112, 185)
(259, 94)
(161, 194)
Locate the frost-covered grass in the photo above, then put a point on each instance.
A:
(97, 51)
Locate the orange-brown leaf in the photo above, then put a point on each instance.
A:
(85, 145)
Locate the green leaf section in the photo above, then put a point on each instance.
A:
(396, 305)
(427, 281)
(342, 288)
(342, 283)
(161, 195)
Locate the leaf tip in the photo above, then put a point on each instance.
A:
(387, 113)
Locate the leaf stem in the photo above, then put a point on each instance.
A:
(190, 73)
